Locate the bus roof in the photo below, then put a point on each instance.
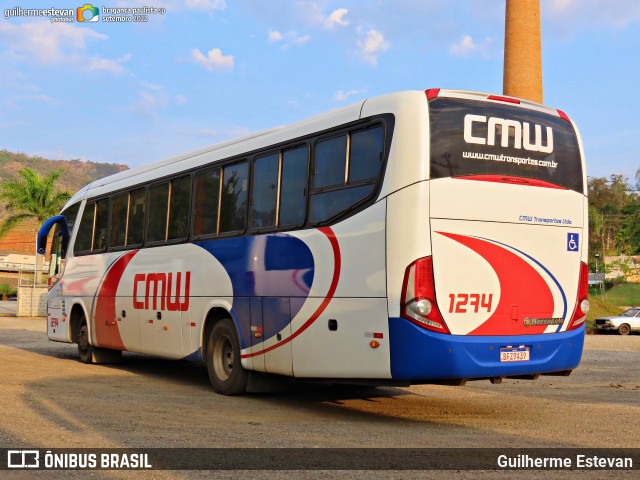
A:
(389, 103)
(219, 151)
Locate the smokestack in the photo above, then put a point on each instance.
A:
(523, 50)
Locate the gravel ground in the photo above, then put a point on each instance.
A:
(50, 400)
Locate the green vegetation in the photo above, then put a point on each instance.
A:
(77, 173)
(614, 217)
(6, 290)
(624, 295)
(31, 196)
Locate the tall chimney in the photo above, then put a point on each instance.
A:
(522, 50)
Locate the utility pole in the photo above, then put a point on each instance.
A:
(523, 50)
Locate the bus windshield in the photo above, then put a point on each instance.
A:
(470, 137)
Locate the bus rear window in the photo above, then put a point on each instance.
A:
(469, 137)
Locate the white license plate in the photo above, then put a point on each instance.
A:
(514, 354)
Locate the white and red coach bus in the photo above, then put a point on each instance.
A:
(416, 237)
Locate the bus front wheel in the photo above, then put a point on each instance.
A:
(223, 360)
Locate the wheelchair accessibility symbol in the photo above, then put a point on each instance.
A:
(573, 242)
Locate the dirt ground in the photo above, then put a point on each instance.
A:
(50, 400)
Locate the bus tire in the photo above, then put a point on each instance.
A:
(624, 329)
(85, 349)
(226, 374)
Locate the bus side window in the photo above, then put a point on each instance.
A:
(119, 206)
(293, 190)
(330, 158)
(179, 205)
(85, 231)
(205, 210)
(57, 252)
(135, 226)
(365, 157)
(70, 215)
(350, 182)
(101, 224)
(233, 201)
(157, 219)
(264, 194)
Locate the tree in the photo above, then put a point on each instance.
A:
(6, 290)
(31, 196)
(607, 200)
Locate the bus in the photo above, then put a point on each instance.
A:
(419, 237)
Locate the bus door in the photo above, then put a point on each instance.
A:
(57, 321)
(277, 264)
(507, 214)
(160, 300)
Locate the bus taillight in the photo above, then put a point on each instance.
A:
(432, 93)
(564, 116)
(582, 303)
(419, 297)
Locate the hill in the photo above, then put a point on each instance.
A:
(77, 173)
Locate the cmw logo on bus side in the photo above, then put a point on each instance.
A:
(573, 242)
(521, 138)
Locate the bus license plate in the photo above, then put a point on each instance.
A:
(514, 354)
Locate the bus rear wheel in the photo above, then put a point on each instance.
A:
(85, 349)
(223, 360)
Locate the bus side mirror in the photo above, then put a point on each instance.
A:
(45, 228)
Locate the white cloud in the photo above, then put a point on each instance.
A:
(152, 99)
(156, 87)
(467, 47)
(371, 45)
(464, 47)
(214, 60)
(566, 17)
(275, 36)
(57, 44)
(341, 95)
(302, 39)
(14, 101)
(336, 18)
(97, 64)
(288, 38)
(205, 4)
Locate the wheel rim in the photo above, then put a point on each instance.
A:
(223, 357)
(624, 329)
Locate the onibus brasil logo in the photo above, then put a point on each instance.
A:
(87, 13)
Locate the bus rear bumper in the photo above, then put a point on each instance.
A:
(421, 355)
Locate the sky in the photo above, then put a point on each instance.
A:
(197, 72)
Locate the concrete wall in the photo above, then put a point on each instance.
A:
(623, 266)
(32, 302)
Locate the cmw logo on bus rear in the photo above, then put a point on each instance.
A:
(521, 138)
